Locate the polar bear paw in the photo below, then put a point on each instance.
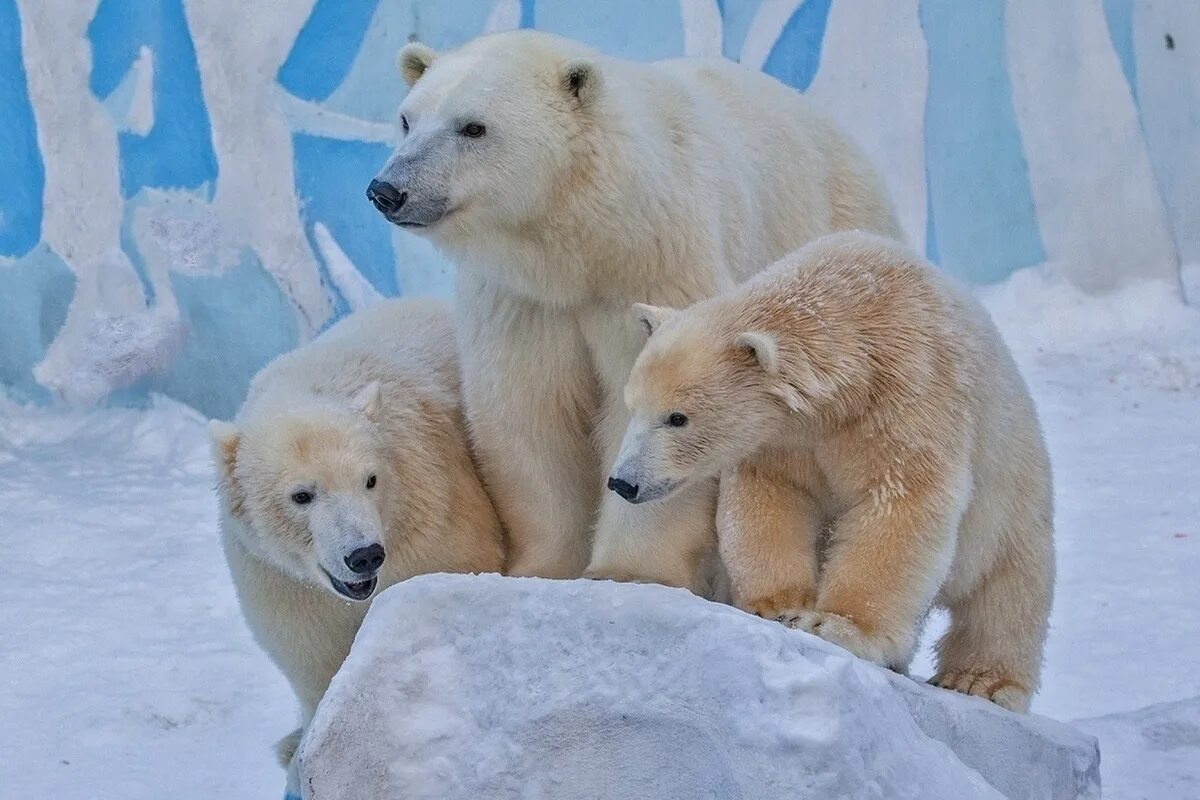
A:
(782, 606)
(840, 631)
(986, 683)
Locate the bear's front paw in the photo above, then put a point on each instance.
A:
(783, 606)
(841, 631)
(988, 684)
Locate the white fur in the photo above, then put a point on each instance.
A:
(659, 183)
(376, 394)
(882, 457)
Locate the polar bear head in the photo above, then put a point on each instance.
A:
(490, 134)
(309, 484)
(703, 395)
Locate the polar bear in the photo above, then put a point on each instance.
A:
(878, 452)
(347, 470)
(565, 185)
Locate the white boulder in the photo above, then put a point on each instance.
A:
(464, 687)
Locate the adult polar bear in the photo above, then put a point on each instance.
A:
(567, 185)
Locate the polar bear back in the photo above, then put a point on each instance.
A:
(406, 344)
(808, 178)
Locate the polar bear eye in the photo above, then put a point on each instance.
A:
(473, 130)
(404, 123)
(371, 482)
(677, 420)
(302, 498)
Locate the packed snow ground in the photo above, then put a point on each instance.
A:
(129, 674)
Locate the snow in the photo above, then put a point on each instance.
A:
(129, 673)
(596, 690)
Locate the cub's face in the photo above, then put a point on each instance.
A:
(485, 137)
(310, 486)
(698, 403)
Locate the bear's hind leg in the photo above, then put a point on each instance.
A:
(993, 648)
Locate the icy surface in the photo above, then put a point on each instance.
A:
(128, 673)
(581, 689)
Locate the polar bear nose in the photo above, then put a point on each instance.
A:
(386, 197)
(627, 490)
(365, 559)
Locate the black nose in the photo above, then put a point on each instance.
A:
(385, 197)
(366, 559)
(623, 488)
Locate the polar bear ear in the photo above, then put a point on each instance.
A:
(651, 317)
(225, 439)
(369, 400)
(581, 79)
(413, 59)
(764, 348)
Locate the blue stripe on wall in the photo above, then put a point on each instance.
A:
(331, 181)
(979, 194)
(655, 34)
(931, 245)
(1119, 15)
(20, 159)
(237, 322)
(38, 288)
(527, 13)
(326, 47)
(177, 152)
(736, 16)
(796, 54)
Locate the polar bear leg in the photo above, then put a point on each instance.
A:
(530, 403)
(885, 564)
(767, 531)
(993, 648)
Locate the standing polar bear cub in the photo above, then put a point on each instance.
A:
(348, 470)
(565, 185)
(853, 386)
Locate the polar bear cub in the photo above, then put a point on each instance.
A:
(348, 470)
(878, 453)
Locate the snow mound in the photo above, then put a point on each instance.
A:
(480, 686)
(1151, 752)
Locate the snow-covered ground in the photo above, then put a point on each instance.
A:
(128, 673)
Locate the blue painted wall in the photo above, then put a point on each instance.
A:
(235, 311)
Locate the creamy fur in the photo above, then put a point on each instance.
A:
(878, 453)
(601, 182)
(376, 394)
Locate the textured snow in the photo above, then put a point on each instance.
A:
(581, 689)
(128, 672)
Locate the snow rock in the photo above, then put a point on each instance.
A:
(488, 687)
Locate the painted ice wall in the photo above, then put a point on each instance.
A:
(183, 179)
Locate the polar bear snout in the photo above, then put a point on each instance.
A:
(366, 560)
(386, 198)
(412, 189)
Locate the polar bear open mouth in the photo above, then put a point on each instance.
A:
(354, 591)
